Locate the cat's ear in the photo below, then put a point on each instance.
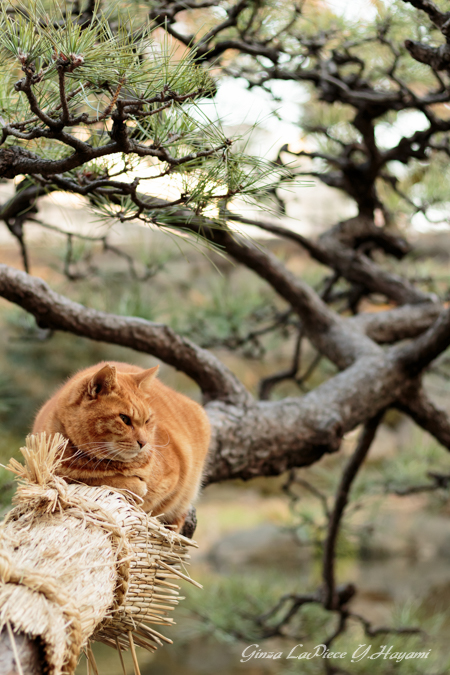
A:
(143, 379)
(103, 382)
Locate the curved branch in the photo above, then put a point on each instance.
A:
(436, 57)
(249, 438)
(15, 160)
(330, 334)
(23, 200)
(335, 250)
(396, 324)
(57, 312)
(350, 472)
(269, 438)
(415, 403)
(419, 353)
(436, 16)
(324, 328)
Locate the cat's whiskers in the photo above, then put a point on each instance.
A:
(113, 452)
(75, 457)
(122, 451)
(158, 456)
(114, 455)
(155, 445)
(91, 444)
(89, 458)
(109, 452)
(88, 464)
(84, 450)
(165, 444)
(117, 450)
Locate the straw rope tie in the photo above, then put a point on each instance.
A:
(80, 509)
(81, 563)
(53, 593)
(56, 494)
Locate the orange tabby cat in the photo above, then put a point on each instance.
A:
(128, 430)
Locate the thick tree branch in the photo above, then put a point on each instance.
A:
(392, 325)
(270, 437)
(419, 353)
(330, 334)
(415, 403)
(440, 19)
(57, 312)
(336, 249)
(15, 160)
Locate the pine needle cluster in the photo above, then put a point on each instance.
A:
(102, 109)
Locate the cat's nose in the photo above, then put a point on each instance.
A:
(141, 444)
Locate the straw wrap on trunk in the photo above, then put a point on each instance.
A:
(80, 563)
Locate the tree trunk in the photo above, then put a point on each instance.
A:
(25, 648)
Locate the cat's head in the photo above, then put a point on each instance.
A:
(111, 417)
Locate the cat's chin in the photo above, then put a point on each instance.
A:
(131, 454)
(127, 456)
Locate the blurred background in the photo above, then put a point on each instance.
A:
(261, 539)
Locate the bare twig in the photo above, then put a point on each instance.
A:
(331, 600)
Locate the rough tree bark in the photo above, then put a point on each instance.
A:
(27, 650)
(376, 369)
(379, 357)
(251, 437)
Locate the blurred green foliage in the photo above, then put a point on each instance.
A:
(230, 604)
(221, 307)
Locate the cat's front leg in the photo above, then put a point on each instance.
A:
(132, 483)
(176, 524)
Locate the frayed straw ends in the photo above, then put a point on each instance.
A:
(80, 563)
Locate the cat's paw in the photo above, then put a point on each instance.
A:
(137, 486)
(176, 524)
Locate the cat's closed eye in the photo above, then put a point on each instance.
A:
(126, 419)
